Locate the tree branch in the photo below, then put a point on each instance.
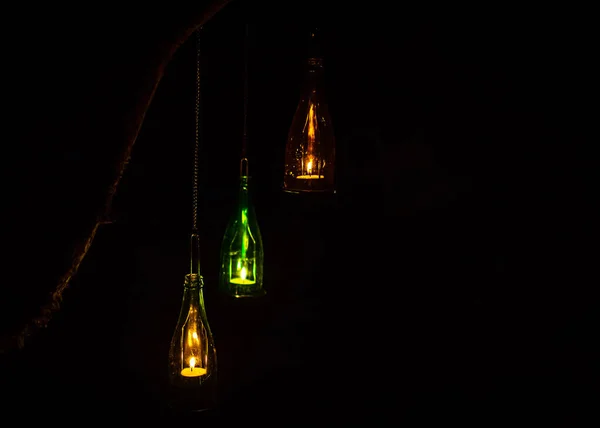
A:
(164, 54)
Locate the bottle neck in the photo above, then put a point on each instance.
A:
(313, 48)
(244, 192)
(193, 291)
(314, 66)
(244, 179)
(193, 281)
(313, 81)
(314, 59)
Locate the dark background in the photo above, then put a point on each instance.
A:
(449, 279)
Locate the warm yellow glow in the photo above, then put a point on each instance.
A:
(309, 167)
(310, 177)
(242, 281)
(191, 350)
(192, 370)
(311, 133)
(243, 278)
(312, 124)
(193, 341)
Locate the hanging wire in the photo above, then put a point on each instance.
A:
(245, 135)
(197, 139)
(195, 239)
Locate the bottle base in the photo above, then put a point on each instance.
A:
(192, 400)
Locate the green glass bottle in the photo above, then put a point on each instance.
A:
(242, 256)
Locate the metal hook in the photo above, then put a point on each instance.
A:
(244, 167)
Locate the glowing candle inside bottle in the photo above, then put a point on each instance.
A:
(192, 370)
(311, 127)
(309, 169)
(190, 351)
(243, 278)
(309, 175)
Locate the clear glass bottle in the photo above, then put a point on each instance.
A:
(192, 354)
(310, 148)
(242, 256)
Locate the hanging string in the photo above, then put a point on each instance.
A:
(197, 139)
(245, 135)
(194, 240)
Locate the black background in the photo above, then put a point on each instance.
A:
(449, 279)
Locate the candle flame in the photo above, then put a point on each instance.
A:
(243, 273)
(309, 167)
(192, 362)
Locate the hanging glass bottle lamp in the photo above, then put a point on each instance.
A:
(192, 354)
(310, 148)
(242, 255)
(241, 272)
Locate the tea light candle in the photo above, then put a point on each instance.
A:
(310, 177)
(192, 370)
(242, 279)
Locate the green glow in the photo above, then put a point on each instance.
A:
(241, 273)
(244, 233)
